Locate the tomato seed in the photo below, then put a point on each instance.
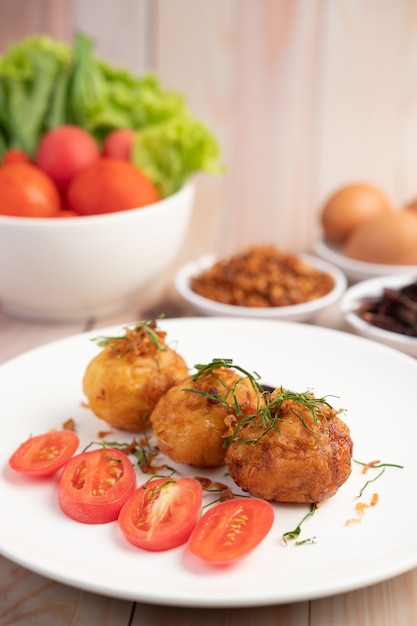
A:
(48, 453)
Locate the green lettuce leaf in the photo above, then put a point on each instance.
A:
(168, 153)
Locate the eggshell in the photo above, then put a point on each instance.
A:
(412, 206)
(390, 238)
(349, 207)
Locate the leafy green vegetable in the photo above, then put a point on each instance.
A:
(169, 152)
(28, 73)
(44, 84)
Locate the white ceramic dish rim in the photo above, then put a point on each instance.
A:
(306, 308)
(273, 573)
(331, 254)
(100, 218)
(371, 288)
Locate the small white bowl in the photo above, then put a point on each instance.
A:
(295, 313)
(373, 288)
(358, 270)
(72, 269)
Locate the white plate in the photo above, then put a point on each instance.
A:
(358, 270)
(375, 384)
(374, 288)
(302, 312)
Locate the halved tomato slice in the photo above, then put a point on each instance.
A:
(45, 454)
(162, 513)
(231, 529)
(94, 485)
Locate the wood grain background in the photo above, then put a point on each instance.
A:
(303, 95)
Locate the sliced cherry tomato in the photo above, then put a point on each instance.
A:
(231, 529)
(94, 485)
(45, 454)
(162, 513)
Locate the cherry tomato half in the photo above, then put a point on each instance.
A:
(231, 529)
(94, 485)
(162, 513)
(45, 454)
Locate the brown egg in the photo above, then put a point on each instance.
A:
(411, 206)
(349, 207)
(390, 238)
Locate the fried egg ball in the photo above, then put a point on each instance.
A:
(126, 379)
(304, 458)
(190, 420)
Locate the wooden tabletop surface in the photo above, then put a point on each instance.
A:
(27, 598)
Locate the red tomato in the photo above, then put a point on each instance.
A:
(231, 529)
(14, 155)
(44, 454)
(162, 513)
(118, 144)
(110, 185)
(26, 191)
(94, 485)
(64, 151)
(67, 213)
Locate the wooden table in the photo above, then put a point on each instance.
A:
(29, 599)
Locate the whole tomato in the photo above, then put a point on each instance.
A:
(110, 185)
(118, 144)
(26, 191)
(64, 151)
(13, 155)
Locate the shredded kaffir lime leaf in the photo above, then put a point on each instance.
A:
(294, 534)
(123, 344)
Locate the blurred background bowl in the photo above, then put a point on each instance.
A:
(374, 288)
(355, 270)
(297, 313)
(71, 269)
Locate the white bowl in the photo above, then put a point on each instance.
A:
(373, 288)
(295, 313)
(358, 270)
(70, 269)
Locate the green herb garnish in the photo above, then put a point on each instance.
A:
(208, 368)
(123, 344)
(294, 534)
(368, 482)
(374, 465)
(269, 414)
(377, 465)
(224, 492)
(158, 488)
(229, 400)
(144, 454)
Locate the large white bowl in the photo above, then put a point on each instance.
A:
(373, 288)
(357, 270)
(70, 269)
(296, 313)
